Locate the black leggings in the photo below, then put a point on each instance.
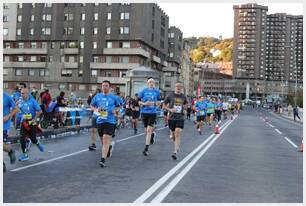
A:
(218, 113)
(24, 133)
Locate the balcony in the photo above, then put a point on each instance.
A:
(25, 64)
(156, 59)
(126, 51)
(113, 80)
(71, 51)
(169, 69)
(73, 65)
(98, 65)
(24, 51)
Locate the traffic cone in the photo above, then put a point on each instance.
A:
(301, 147)
(217, 129)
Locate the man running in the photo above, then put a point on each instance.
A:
(218, 109)
(9, 110)
(105, 106)
(29, 109)
(210, 111)
(200, 109)
(149, 100)
(135, 112)
(176, 104)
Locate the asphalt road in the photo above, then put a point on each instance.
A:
(250, 161)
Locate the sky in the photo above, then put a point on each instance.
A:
(214, 19)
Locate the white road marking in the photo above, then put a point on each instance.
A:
(68, 155)
(169, 174)
(271, 125)
(279, 132)
(294, 145)
(161, 196)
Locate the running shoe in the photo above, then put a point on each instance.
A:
(145, 152)
(102, 162)
(153, 135)
(41, 147)
(92, 147)
(12, 156)
(174, 156)
(23, 157)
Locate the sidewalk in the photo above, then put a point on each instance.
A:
(286, 115)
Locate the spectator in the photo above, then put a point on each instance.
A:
(296, 112)
(46, 98)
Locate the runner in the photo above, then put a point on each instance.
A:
(224, 109)
(105, 106)
(9, 110)
(128, 110)
(30, 109)
(149, 100)
(218, 109)
(176, 104)
(93, 138)
(165, 112)
(210, 111)
(189, 109)
(135, 112)
(200, 108)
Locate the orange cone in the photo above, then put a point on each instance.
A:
(301, 147)
(217, 129)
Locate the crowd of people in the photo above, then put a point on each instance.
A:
(110, 112)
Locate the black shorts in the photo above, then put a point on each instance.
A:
(209, 114)
(173, 124)
(94, 122)
(106, 128)
(165, 113)
(224, 110)
(135, 114)
(128, 112)
(200, 118)
(148, 119)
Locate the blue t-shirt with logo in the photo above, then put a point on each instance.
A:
(201, 107)
(152, 95)
(219, 106)
(8, 105)
(210, 108)
(16, 96)
(106, 103)
(29, 106)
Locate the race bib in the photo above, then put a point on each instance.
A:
(136, 108)
(103, 114)
(27, 116)
(178, 108)
(202, 112)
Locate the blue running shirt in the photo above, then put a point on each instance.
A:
(152, 95)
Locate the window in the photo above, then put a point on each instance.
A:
(68, 31)
(82, 31)
(153, 11)
(124, 59)
(94, 73)
(19, 18)
(96, 16)
(162, 45)
(94, 45)
(124, 30)
(31, 32)
(124, 44)
(50, 58)
(95, 30)
(43, 72)
(108, 59)
(82, 17)
(18, 72)
(153, 24)
(47, 5)
(83, 5)
(82, 45)
(163, 21)
(47, 17)
(162, 31)
(44, 45)
(80, 73)
(108, 74)
(108, 30)
(62, 86)
(96, 4)
(109, 45)
(66, 73)
(52, 45)
(5, 31)
(7, 45)
(62, 59)
(5, 6)
(20, 45)
(5, 72)
(82, 87)
(19, 6)
(171, 55)
(31, 72)
(33, 58)
(124, 15)
(95, 59)
(33, 5)
(46, 31)
(152, 37)
(32, 18)
(171, 35)
(5, 18)
(109, 16)
(6, 58)
(81, 59)
(68, 17)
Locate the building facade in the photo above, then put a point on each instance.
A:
(74, 47)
